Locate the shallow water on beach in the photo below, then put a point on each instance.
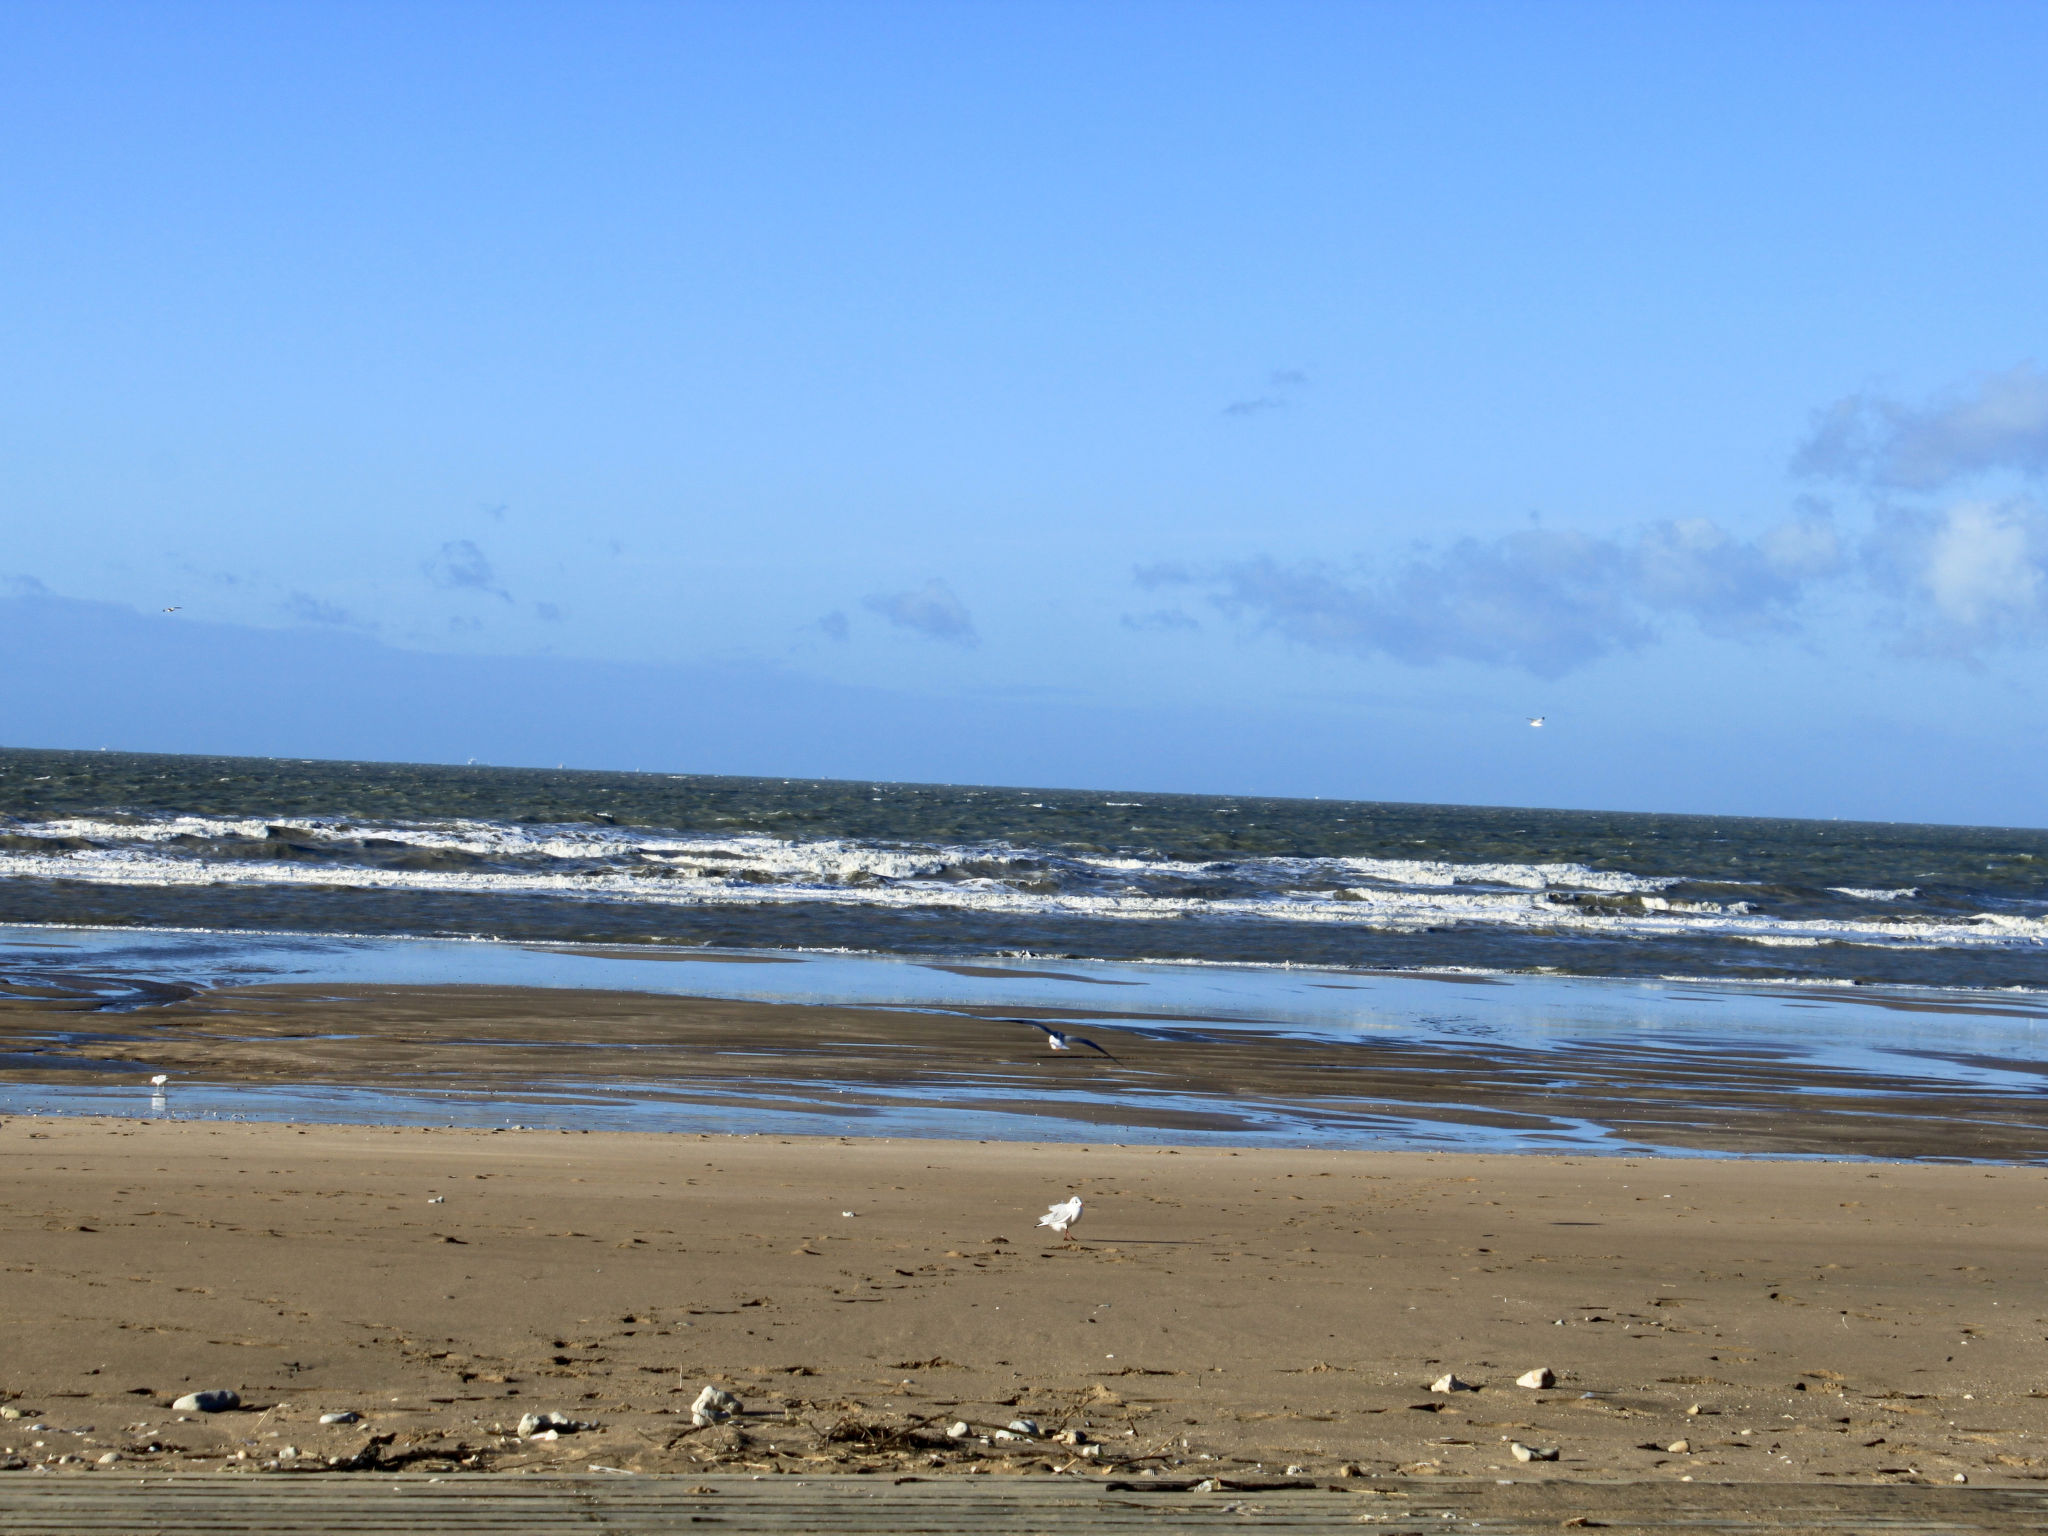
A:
(1838, 1049)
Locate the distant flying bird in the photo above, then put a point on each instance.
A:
(171, 610)
(1060, 1040)
(1062, 1216)
(1536, 721)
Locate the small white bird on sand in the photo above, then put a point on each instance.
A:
(1060, 1040)
(1062, 1216)
(159, 1080)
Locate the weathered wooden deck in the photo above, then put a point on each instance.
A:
(316, 1505)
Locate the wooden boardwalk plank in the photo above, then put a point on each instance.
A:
(329, 1505)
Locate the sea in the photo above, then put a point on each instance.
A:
(141, 873)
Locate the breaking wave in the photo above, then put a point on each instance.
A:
(676, 868)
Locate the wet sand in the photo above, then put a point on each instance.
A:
(836, 1065)
(1221, 1313)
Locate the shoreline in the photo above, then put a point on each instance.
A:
(712, 953)
(1260, 1309)
(1703, 1072)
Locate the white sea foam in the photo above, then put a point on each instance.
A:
(628, 864)
(1903, 893)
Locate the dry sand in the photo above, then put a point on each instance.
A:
(1221, 1312)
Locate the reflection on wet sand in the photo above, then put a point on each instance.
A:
(503, 1055)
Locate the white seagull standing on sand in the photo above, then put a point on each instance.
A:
(158, 1081)
(1062, 1216)
(1060, 1040)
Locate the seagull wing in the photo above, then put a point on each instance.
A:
(1043, 1029)
(1063, 1215)
(1098, 1050)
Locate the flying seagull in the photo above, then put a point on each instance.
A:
(173, 609)
(1536, 721)
(1060, 1040)
(1062, 1216)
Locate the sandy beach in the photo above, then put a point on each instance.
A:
(1220, 1312)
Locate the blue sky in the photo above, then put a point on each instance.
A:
(1344, 382)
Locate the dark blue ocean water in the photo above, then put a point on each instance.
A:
(240, 844)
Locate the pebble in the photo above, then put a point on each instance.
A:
(220, 1400)
(1679, 1447)
(1297, 1471)
(1531, 1453)
(1450, 1383)
(1024, 1426)
(714, 1405)
(1003, 1434)
(1540, 1377)
(346, 1416)
(12, 1412)
(109, 1458)
(957, 1430)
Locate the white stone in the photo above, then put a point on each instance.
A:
(1024, 1426)
(345, 1416)
(1531, 1453)
(219, 1400)
(1540, 1377)
(1450, 1383)
(957, 1430)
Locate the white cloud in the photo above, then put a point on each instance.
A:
(1969, 577)
(1999, 423)
(460, 564)
(931, 610)
(1545, 600)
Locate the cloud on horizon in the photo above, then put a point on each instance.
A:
(1998, 423)
(1954, 575)
(931, 610)
(1545, 600)
(461, 565)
